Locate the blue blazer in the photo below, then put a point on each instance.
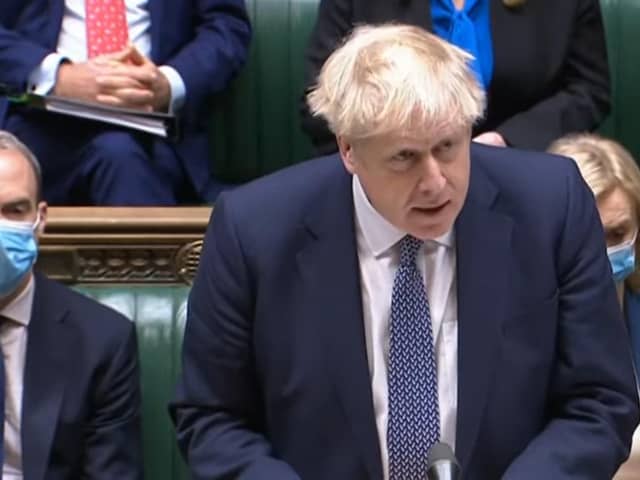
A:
(275, 381)
(81, 397)
(204, 40)
(632, 314)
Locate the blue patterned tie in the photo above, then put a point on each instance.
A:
(414, 419)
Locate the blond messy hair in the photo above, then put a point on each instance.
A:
(605, 165)
(392, 77)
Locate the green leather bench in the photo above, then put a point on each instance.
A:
(159, 313)
(255, 126)
(622, 25)
(140, 261)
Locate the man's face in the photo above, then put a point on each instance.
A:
(417, 180)
(18, 190)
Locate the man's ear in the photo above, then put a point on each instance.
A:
(346, 152)
(42, 214)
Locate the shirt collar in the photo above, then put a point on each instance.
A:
(378, 233)
(19, 310)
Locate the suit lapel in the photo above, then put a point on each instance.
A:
(49, 341)
(53, 19)
(483, 239)
(329, 271)
(155, 14)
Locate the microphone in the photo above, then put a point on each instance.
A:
(442, 463)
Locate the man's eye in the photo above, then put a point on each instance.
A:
(14, 212)
(404, 156)
(444, 146)
(615, 238)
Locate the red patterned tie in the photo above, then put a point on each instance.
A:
(107, 30)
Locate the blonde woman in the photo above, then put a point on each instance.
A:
(614, 177)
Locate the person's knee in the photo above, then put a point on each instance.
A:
(121, 171)
(114, 150)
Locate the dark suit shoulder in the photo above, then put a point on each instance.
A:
(527, 177)
(287, 193)
(538, 191)
(269, 216)
(88, 314)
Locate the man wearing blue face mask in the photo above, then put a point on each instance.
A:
(69, 381)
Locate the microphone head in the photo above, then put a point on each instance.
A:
(441, 451)
(442, 463)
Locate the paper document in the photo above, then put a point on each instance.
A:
(161, 124)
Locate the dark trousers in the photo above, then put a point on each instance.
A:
(91, 163)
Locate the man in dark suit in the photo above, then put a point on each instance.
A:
(550, 70)
(343, 322)
(70, 387)
(179, 54)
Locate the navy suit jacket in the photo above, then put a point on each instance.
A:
(204, 40)
(275, 381)
(81, 397)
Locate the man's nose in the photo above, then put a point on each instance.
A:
(432, 178)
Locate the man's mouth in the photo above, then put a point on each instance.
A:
(432, 210)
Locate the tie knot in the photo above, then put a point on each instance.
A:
(409, 247)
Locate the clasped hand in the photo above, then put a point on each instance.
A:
(123, 79)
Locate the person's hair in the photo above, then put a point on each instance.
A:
(605, 165)
(391, 77)
(8, 141)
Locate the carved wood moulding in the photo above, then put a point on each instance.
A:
(123, 244)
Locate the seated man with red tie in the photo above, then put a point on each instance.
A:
(154, 55)
(69, 381)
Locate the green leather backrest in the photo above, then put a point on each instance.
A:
(255, 128)
(622, 24)
(159, 314)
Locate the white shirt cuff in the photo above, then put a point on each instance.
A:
(43, 77)
(178, 88)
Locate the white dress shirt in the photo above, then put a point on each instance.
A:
(72, 45)
(13, 337)
(379, 257)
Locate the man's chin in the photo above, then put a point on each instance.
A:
(429, 227)
(430, 232)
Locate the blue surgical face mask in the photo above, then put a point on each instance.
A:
(18, 252)
(623, 259)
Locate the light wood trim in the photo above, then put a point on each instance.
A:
(67, 220)
(123, 244)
